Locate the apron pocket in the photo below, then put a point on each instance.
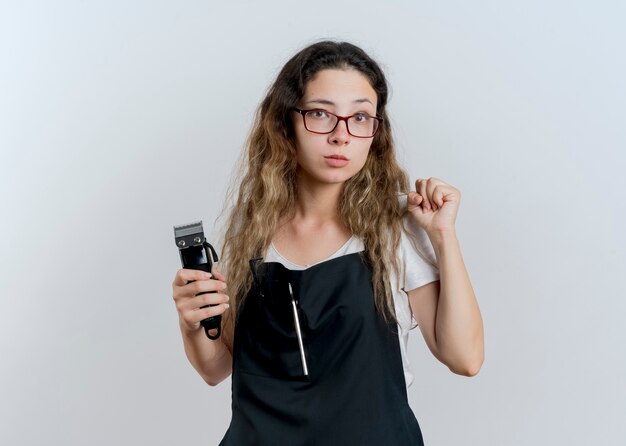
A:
(272, 345)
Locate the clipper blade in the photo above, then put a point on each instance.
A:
(188, 235)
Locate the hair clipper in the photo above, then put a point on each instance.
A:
(197, 253)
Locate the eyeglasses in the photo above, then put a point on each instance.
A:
(360, 125)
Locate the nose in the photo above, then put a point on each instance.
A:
(340, 135)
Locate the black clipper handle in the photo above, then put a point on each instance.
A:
(197, 253)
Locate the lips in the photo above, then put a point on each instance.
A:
(336, 160)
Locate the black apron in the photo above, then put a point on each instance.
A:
(355, 390)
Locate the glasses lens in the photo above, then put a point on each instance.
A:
(319, 121)
(362, 125)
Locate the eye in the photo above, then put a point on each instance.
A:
(318, 114)
(362, 118)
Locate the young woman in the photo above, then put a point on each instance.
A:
(328, 256)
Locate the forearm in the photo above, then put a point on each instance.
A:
(458, 326)
(211, 358)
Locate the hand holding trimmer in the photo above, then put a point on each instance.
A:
(197, 253)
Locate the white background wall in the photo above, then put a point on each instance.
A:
(121, 119)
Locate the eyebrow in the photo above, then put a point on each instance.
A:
(327, 102)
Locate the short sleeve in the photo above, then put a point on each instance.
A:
(418, 260)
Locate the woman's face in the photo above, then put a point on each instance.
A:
(334, 157)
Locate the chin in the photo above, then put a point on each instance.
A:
(335, 179)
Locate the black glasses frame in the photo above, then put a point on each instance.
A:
(339, 119)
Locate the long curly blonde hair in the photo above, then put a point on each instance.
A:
(266, 191)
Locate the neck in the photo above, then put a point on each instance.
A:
(317, 202)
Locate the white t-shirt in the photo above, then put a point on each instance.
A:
(418, 267)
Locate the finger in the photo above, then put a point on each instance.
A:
(415, 198)
(195, 288)
(438, 194)
(185, 275)
(197, 302)
(200, 286)
(420, 187)
(431, 184)
(195, 316)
